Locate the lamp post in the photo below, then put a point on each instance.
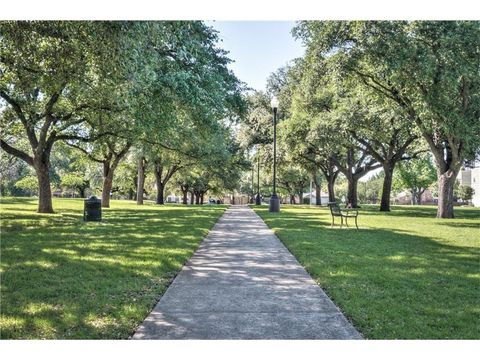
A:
(253, 186)
(258, 200)
(274, 200)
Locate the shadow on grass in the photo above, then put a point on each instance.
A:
(86, 297)
(421, 211)
(462, 225)
(63, 278)
(389, 282)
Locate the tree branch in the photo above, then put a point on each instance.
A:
(17, 153)
(84, 139)
(18, 110)
(337, 163)
(90, 156)
(49, 118)
(368, 146)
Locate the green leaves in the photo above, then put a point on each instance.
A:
(102, 86)
(417, 173)
(426, 72)
(429, 68)
(28, 183)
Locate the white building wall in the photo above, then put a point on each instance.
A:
(323, 197)
(465, 177)
(475, 184)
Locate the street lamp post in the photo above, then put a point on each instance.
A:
(253, 186)
(274, 200)
(258, 200)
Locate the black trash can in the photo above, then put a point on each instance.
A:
(92, 210)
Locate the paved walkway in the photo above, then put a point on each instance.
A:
(242, 283)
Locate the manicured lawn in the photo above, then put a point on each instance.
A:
(403, 275)
(63, 278)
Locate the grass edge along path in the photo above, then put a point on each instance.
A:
(62, 278)
(403, 275)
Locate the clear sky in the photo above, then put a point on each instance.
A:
(257, 48)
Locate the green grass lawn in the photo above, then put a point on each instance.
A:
(63, 278)
(403, 275)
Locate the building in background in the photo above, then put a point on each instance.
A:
(313, 195)
(475, 185)
(471, 177)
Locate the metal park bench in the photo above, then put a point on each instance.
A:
(345, 213)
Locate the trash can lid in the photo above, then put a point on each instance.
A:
(92, 198)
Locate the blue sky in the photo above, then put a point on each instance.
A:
(257, 47)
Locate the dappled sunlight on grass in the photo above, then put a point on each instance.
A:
(63, 278)
(404, 274)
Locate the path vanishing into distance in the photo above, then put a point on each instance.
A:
(242, 283)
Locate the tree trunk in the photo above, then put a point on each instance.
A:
(414, 196)
(107, 188)
(81, 192)
(197, 199)
(419, 196)
(160, 193)
(110, 164)
(318, 194)
(158, 171)
(201, 198)
(185, 197)
(330, 174)
(331, 189)
(300, 198)
(130, 194)
(192, 197)
(446, 182)
(387, 186)
(141, 180)
(292, 199)
(44, 189)
(352, 192)
(448, 163)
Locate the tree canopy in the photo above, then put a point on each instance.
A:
(105, 87)
(428, 68)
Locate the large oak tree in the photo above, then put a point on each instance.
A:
(50, 87)
(429, 68)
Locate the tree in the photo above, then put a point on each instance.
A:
(84, 82)
(12, 169)
(256, 127)
(308, 154)
(49, 87)
(429, 68)
(108, 151)
(125, 178)
(201, 184)
(75, 181)
(164, 167)
(356, 117)
(379, 130)
(28, 183)
(466, 193)
(185, 181)
(354, 164)
(417, 175)
(316, 133)
(141, 167)
(370, 191)
(311, 146)
(194, 94)
(294, 180)
(300, 144)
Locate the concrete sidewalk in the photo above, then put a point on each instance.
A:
(242, 283)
